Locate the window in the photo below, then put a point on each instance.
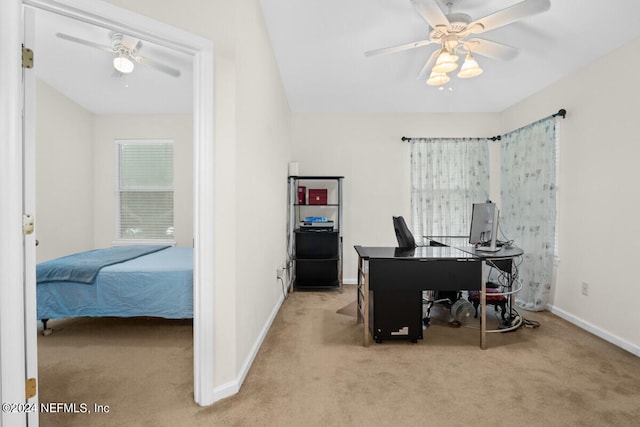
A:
(448, 175)
(529, 191)
(145, 190)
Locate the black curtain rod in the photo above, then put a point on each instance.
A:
(408, 139)
(561, 112)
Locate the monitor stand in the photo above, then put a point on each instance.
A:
(493, 246)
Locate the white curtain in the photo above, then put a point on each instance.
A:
(448, 175)
(528, 191)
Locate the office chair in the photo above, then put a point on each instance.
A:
(403, 234)
(405, 241)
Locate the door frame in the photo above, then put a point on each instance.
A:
(29, 207)
(12, 302)
(12, 328)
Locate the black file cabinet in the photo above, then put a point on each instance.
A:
(395, 315)
(317, 259)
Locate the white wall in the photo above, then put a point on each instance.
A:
(599, 199)
(107, 129)
(64, 178)
(252, 148)
(76, 172)
(367, 150)
(262, 153)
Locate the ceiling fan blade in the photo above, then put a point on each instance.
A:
(426, 70)
(156, 65)
(491, 49)
(399, 48)
(509, 15)
(431, 12)
(85, 42)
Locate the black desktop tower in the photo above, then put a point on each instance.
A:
(395, 315)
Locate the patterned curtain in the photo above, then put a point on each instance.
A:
(528, 191)
(448, 175)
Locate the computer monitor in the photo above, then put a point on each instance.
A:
(484, 226)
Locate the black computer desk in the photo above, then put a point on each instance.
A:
(398, 277)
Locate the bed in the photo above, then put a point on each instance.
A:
(126, 281)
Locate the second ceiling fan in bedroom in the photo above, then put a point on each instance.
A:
(126, 55)
(454, 34)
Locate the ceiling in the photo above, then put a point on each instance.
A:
(320, 45)
(319, 48)
(86, 74)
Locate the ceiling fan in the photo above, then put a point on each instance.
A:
(126, 50)
(454, 32)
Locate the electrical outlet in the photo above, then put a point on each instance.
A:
(585, 288)
(279, 272)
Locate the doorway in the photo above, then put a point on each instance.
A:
(116, 19)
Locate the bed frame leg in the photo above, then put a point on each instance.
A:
(46, 331)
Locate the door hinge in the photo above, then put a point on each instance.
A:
(30, 388)
(27, 57)
(27, 224)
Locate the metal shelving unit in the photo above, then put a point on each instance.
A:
(315, 256)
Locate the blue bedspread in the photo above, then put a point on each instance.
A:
(85, 266)
(157, 285)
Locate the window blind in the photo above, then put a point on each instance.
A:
(145, 187)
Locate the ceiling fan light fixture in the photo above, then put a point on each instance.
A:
(446, 62)
(470, 68)
(438, 79)
(123, 64)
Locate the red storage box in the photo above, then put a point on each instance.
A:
(318, 196)
(302, 195)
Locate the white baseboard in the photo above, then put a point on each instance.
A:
(625, 345)
(233, 387)
(225, 390)
(349, 281)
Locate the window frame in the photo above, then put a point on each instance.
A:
(118, 240)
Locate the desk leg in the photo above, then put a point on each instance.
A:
(512, 296)
(363, 298)
(483, 308)
(366, 307)
(359, 290)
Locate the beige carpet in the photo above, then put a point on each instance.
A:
(312, 370)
